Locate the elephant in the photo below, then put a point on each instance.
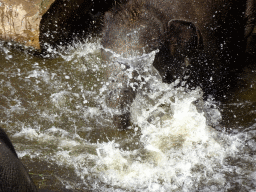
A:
(194, 35)
(152, 25)
(68, 21)
(13, 175)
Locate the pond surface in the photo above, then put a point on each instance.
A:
(53, 109)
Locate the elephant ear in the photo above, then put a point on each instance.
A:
(184, 37)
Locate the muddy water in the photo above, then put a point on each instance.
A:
(54, 112)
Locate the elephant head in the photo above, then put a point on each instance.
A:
(137, 29)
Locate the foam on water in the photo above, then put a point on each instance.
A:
(174, 147)
(179, 152)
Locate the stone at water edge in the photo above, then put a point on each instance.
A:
(20, 20)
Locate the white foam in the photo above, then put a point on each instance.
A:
(176, 140)
(82, 50)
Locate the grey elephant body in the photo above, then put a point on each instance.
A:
(179, 30)
(13, 175)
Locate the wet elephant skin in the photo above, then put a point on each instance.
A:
(13, 175)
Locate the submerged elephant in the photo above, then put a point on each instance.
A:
(13, 175)
(179, 30)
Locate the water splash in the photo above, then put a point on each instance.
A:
(54, 112)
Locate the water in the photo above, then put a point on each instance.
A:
(54, 112)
